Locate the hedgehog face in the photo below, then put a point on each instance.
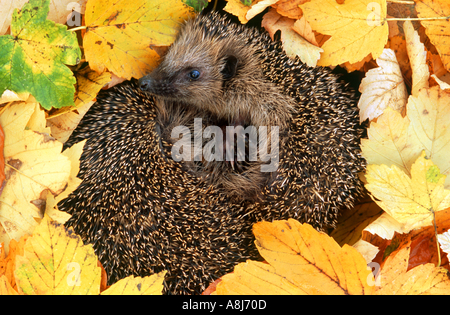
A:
(190, 74)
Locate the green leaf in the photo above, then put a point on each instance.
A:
(33, 57)
(197, 5)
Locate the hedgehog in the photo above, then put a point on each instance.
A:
(154, 198)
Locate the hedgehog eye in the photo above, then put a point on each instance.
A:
(194, 74)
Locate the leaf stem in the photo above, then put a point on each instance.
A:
(78, 28)
(436, 236)
(418, 19)
(401, 1)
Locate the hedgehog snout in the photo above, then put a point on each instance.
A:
(146, 83)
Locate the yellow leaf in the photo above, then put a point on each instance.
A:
(418, 58)
(33, 163)
(300, 260)
(423, 279)
(429, 113)
(237, 8)
(411, 201)
(382, 87)
(63, 121)
(394, 140)
(55, 261)
(357, 28)
(391, 142)
(121, 36)
(437, 30)
(254, 277)
(151, 285)
(73, 154)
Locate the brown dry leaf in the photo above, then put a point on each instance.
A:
(423, 279)
(290, 8)
(120, 36)
(382, 87)
(437, 30)
(353, 221)
(417, 57)
(293, 43)
(355, 27)
(300, 260)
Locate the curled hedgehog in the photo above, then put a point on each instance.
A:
(147, 203)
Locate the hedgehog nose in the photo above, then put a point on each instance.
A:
(145, 83)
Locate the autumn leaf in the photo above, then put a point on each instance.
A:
(423, 279)
(258, 8)
(290, 8)
(382, 87)
(34, 164)
(356, 28)
(237, 8)
(63, 121)
(438, 30)
(293, 43)
(418, 58)
(394, 140)
(35, 55)
(411, 201)
(352, 222)
(120, 36)
(55, 261)
(300, 260)
(151, 285)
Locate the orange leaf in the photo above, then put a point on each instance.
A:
(300, 260)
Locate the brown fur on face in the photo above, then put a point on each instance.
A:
(230, 90)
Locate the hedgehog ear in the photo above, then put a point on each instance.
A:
(229, 70)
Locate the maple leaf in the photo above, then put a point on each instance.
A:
(411, 201)
(34, 56)
(121, 36)
(57, 262)
(423, 279)
(300, 260)
(382, 87)
(394, 140)
(357, 28)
